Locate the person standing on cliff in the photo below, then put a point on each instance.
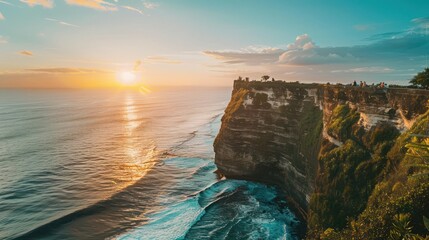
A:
(354, 83)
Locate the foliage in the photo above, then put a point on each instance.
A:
(399, 200)
(261, 100)
(341, 192)
(265, 77)
(420, 150)
(350, 201)
(401, 227)
(421, 79)
(342, 120)
(235, 104)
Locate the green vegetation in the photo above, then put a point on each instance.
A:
(395, 202)
(311, 127)
(340, 189)
(261, 100)
(421, 79)
(234, 105)
(265, 78)
(342, 120)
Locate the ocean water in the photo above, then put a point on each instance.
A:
(104, 164)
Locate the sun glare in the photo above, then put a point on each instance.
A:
(127, 78)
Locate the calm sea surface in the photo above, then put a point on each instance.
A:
(98, 164)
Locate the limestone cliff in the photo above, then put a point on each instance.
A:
(273, 131)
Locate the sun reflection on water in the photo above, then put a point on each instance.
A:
(141, 154)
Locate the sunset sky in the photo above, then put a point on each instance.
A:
(91, 43)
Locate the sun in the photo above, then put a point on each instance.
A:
(127, 78)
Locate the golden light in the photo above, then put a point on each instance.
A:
(127, 78)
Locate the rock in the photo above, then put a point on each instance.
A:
(271, 132)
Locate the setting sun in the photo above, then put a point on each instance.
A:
(127, 78)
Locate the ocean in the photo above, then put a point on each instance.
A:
(111, 164)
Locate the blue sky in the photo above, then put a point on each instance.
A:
(68, 43)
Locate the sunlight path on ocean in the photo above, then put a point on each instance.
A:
(140, 159)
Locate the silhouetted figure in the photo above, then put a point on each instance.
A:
(354, 83)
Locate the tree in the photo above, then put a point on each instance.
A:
(240, 78)
(421, 79)
(265, 78)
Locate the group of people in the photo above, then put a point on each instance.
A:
(363, 84)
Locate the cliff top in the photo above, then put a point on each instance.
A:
(370, 89)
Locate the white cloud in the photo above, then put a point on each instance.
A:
(150, 5)
(7, 3)
(133, 9)
(61, 22)
(384, 57)
(422, 22)
(44, 3)
(302, 42)
(303, 51)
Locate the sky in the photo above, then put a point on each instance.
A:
(92, 43)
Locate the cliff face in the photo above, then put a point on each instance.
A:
(273, 132)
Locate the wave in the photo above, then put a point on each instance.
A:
(180, 217)
(218, 212)
(191, 135)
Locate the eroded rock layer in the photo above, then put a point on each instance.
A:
(272, 131)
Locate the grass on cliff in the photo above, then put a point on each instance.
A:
(399, 203)
(234, 105)
(342, 120)
(348, 174)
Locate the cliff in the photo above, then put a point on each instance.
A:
(288, 134)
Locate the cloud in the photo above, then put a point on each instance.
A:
(44, 3)
(7, 3)
(95, 4)
(26, 53)
(1, 16)
(303, 42)
(303, 51)
(250, 55)
(422, 22)
(410, 45)
(161, 59)
(150, 5)
(365, 70)
(384, 57)
(66, 70)
(133, 9)
(61, 22)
